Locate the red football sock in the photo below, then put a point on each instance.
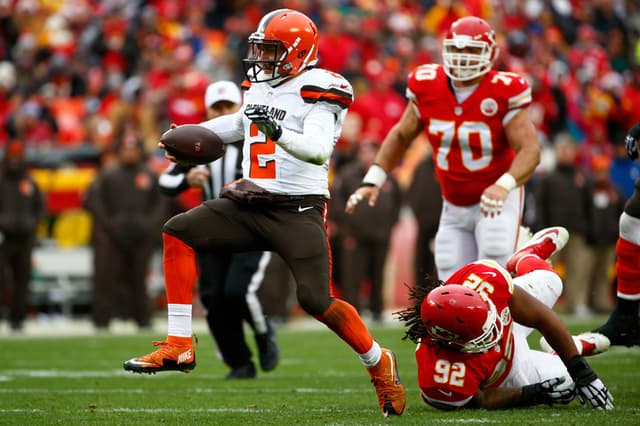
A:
(531, 263)
(343, 319)
(627, 267)
(180, 270)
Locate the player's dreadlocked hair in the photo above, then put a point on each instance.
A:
(411, 316)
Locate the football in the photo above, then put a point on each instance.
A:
(193, 144)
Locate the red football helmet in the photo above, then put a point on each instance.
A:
(285, 43)
(469, 49)
(461, 318)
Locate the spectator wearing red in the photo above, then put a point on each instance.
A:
(33, 124)
(380, 106)
(184, 102)
(336, 45)
(586, 56)
(7, 85)
(630, 99)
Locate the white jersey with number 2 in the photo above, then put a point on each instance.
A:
(289, 104)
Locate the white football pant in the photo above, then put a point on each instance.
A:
(531, 366)
(466, 235)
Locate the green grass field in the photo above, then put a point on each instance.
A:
(80, 381)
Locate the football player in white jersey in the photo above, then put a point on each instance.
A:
(228, 282)
(290, 121)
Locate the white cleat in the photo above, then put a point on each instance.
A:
(543, 244)
(588, 344)
(524, 236)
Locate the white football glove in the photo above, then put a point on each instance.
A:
(589, 387)
(596, 394)
(490, 207)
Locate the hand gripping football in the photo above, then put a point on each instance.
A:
(193, 144)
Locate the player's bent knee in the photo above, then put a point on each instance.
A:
(447, 255)
(499, 247)
(176, 224)
(544, 285)
(313, 304)
(178, 227)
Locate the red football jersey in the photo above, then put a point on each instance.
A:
(470, 148)
(449, 378)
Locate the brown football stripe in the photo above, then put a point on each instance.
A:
(313, 94)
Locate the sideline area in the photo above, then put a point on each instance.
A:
(62, 326)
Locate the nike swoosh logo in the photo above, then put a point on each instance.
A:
(493, 274)
(445, 393)
(304, 209)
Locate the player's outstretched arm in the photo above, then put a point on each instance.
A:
(391, 151)
(530, 312)
(549, 392)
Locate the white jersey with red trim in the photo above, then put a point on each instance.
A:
(265, 162)
(450, 378)
(470, 147)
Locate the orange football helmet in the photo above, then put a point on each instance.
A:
(285, 43)
(469, 49)
(460, 318)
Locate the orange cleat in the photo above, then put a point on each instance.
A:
(384, 377)
(169, 357)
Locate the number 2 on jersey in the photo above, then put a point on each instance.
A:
(267, 170)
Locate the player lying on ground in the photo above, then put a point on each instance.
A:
(472, 333)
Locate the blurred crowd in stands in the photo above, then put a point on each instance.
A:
(76, 76)
(80, 72)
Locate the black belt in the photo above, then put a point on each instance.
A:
(283, 198)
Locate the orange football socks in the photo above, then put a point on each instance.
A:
(180, 270)
(180, 274)
(343, 319)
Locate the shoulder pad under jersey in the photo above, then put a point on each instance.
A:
(325, 86)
